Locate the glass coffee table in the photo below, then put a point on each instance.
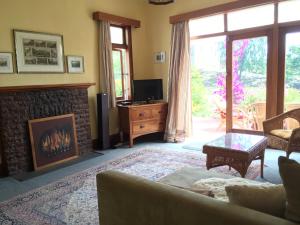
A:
(236, 150)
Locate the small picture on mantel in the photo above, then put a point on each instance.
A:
(75, 64)
(53, 140)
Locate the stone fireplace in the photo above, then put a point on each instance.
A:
(18, 105)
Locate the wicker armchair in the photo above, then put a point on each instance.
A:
(288, 140)
(258, 111)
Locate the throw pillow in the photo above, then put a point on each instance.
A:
(269, 199)
(290, 174)
(217, 185)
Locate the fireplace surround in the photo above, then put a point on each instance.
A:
(18, 105)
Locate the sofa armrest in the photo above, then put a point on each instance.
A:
(128, 200)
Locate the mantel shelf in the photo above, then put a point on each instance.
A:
(43, 87)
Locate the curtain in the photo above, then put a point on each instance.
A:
(107, 79)
(179, 118)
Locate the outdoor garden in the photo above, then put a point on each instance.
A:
(249, 69)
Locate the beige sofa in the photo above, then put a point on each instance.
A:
(128, 200)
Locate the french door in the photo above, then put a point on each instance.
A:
(248, 63)
(289, 69)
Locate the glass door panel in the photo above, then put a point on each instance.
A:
(208, 83)
(249, 79)
(292, 76)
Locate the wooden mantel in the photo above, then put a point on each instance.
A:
(46, 86)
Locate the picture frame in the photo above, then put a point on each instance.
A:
(159, 57)
(6, 62)
(53, 140)
(75, 64)
(39, 52)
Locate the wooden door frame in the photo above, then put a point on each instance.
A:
(283, 31)
(269, 85)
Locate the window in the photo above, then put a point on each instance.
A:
(251, 17)
(243, 97)
(117, 35)
(120, 38)
(288, 11)
(199, 26)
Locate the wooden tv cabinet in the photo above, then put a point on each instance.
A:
(140, 119)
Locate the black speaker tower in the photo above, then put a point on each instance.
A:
(103, 121)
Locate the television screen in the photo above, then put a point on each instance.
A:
(146, 90)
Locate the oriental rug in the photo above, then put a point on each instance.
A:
(73, 199)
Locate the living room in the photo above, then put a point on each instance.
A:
(158, 97)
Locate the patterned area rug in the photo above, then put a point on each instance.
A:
(73, 199)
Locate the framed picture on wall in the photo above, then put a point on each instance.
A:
(6, 63)
(39, 52)
(75, 64)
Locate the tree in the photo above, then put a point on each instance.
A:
(237, 86)
(292, 71)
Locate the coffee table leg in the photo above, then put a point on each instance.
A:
(243, 168)
(262, 164)
(209, 159)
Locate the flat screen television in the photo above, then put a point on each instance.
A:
(147, 90)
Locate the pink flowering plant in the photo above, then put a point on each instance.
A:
(237, 85)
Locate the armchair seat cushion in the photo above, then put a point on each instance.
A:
(285, 134)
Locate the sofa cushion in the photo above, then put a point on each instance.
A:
(290, 175)
(285, 134)
(187, 176)
(217, 185)
(264, 198)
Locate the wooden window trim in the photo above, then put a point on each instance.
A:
(273, 26)
(118, 20)
(123, 46)
(219, 9)
(128, 47)
(124, 41)
(122, 73)
(276, 51)
(269, 85)
(281, 64)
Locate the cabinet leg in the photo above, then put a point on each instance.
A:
(130, 142)
(121, 136)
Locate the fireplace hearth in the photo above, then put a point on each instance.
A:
(18, 105)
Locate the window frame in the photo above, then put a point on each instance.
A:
(127, 46)
(275, 75)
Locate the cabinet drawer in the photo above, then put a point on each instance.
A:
(159, 112)
(149, 126)
(140, 114)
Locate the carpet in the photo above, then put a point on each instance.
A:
(73, 199)
(197, 146)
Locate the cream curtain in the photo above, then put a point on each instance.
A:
(107, 79)
(179, 94)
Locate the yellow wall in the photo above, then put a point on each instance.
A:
(159, 29)
(73, 19)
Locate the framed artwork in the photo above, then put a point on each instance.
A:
(6, 63)
(53, 140)
(75, 64)
(39, 52)
(159, 57)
